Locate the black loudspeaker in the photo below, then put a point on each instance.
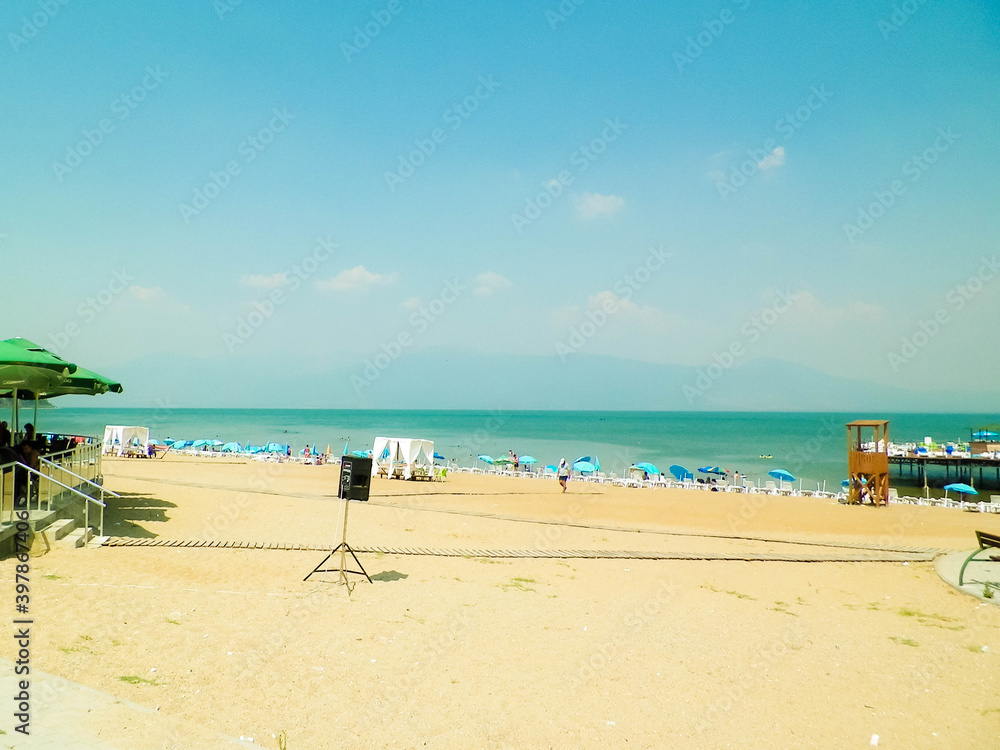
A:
(355, 478)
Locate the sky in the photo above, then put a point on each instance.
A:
(336, 187)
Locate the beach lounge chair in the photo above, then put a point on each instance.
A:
(893, 495)
(771, 488)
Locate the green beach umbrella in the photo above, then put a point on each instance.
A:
(27, 366)
(83, 382)
(76, 381)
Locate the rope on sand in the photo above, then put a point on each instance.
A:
(902, 555)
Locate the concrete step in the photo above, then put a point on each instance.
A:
(97, 541)
(60, 528)
(76, 538)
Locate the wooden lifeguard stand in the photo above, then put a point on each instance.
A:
(868, 465)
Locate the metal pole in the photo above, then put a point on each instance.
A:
(343, 544)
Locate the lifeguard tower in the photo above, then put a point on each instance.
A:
(868, 461)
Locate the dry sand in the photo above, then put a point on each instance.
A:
(520, 653)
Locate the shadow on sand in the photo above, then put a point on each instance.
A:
(123, 515)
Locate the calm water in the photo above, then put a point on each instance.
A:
(810, 445)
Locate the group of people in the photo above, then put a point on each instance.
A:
(27, 452)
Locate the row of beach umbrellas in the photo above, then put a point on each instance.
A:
(585, 465)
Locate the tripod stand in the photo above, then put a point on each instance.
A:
(341, 551)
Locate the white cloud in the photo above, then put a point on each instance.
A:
(774, 159)
(413, 303)
(265, 282)
(145, 293)
(490, 282)
(592, 205)
(358, 277)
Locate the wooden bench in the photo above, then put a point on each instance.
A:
(986, 541)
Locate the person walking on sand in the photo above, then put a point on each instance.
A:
(563, 473)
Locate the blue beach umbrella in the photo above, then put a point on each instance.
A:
(680, 473)
(714, 470)
(781, 474)
(274, 448)
(551, 468)
(582, 458)
(232, 448)
(439, 457)
(201, 443)
(486, 459)
(584, 467)
(647, 467)
(178, 444)
(528, 460)
(960, 488)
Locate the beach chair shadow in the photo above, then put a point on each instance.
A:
(124, 515)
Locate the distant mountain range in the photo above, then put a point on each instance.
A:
(437, 380)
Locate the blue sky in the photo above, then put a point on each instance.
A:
(825, 108)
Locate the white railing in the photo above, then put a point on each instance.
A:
(39, 486)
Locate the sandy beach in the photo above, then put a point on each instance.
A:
(742, 651)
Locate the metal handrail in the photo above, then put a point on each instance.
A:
(86, 508)
(102, 488)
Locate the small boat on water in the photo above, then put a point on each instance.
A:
(768, 456)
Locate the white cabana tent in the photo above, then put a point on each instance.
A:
(121, 439)
(403, 457)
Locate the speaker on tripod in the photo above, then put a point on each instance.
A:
(355, 484)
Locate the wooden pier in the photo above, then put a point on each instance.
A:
(979, 472)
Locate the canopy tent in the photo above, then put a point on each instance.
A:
(405, 455)
(118, 439)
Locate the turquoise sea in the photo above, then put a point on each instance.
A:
(809, 445)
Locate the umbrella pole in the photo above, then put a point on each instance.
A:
(35, 416)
